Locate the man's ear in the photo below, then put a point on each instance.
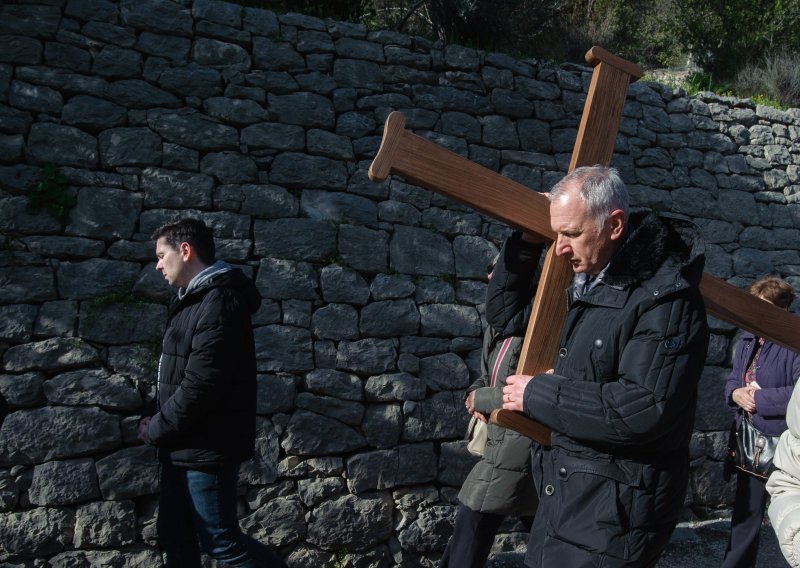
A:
(187, 253)
(616, 223)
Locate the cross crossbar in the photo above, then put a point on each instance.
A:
(428, 165)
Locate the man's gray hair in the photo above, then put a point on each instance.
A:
(601, 189)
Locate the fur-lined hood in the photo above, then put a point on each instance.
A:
(658, 249)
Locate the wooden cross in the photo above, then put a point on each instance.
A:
(428, 165)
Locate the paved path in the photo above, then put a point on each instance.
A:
(693, 545)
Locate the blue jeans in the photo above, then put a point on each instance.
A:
(202, 504)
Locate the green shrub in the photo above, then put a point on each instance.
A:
(775, 78)
(52, 195)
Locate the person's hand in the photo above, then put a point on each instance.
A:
(143, 424)
(514, 392)
(480, 416)
(745, 398)
(469, 402)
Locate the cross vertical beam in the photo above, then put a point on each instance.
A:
(595, 142)
(428, 165)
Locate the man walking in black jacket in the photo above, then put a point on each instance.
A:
(622, 394)
(204, 426)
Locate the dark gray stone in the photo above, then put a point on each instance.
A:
(116, 63)
(449, 320)
(275, 394)
(138, 94)
(35, 98)
(20, 50)
(105, 524)
(130, 147)
(444, 372)
(55, 432)
(219, 54)
(389, 318)
(298, 239)
(236, 111)
(128, 473)
(364, 249)
(23, 390)
(229, 167)
(16, 322)
(95, 387)
(386, 469)
(367, 356)
(268, 54)
(304, 109)
(347, 412)
(59, 483)
(394, 387)
(51, 354)
(364, 75)
(117, 35)
(472, 256)
(310, 434)
(13, 121)
(193, 130)
(260, 201)
(36, 532)
(199, 80)
(62, 145)
(175, 49)
(334, 383)
(302, 171)
(343, 285)
(279, 522)
(154, 15)
(93, 10)
(171, 188)
(267, 135)
(352, 522)
(382, 425)
(441, 416)
(421, 252)
(283, 348)
(95, 277)
(91, 113)
(339, 208)
(335, 321)
(105, 213)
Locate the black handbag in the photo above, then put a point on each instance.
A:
(752, 451)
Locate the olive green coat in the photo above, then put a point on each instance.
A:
(501, 481)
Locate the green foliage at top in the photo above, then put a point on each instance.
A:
(721, 37)
(725, 35)
(52, 195)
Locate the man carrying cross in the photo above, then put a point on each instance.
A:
(621, 398)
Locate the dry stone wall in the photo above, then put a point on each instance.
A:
(116, 117)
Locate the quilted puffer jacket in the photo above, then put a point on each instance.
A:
(207, 374)
(784, 485)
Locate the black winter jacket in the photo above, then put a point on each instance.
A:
(621, 403)
(207, 375)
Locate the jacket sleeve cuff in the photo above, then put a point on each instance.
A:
(541, 400)
(487, 399)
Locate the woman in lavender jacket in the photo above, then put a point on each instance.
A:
(761, 384)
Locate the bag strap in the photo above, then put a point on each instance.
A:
(504, 348)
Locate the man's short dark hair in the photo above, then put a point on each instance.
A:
(191, 231)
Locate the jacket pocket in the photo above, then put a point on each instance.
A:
(594, 500)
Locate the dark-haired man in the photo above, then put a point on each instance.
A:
(621, 397)
(204, 426)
